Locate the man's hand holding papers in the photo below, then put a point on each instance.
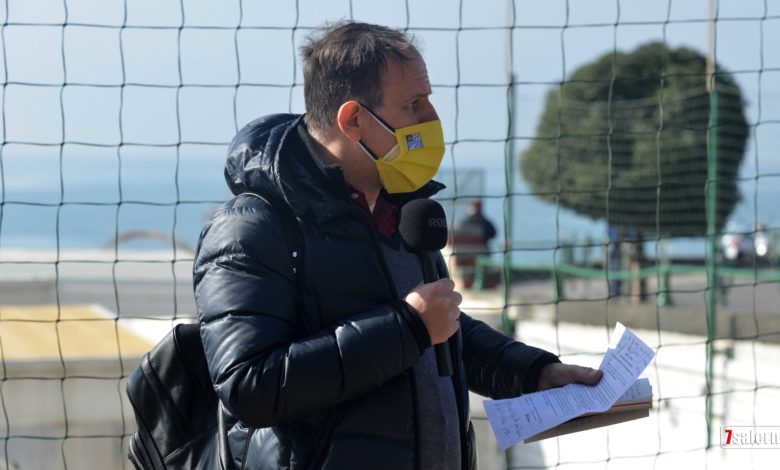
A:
(516, 419)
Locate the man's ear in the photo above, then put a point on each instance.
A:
(347, 120)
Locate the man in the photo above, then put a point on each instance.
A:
(316, 325)
(470, 240)
(477, 224)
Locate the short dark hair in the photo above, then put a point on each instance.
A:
(345, 61)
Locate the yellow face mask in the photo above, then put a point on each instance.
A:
(414, 159)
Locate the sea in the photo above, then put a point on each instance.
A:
(89, 202)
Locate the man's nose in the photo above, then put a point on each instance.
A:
(429, 113)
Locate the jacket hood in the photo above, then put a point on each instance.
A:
(269, 157)
(251, 165)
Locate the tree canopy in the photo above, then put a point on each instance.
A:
(624, 139)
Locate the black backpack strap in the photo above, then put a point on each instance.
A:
(292, 229)
(295, 247)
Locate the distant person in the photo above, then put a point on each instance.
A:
(477, 224)
(469, 241)
(617, 238)
(321, 357)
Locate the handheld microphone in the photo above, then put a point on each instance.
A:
(423, 228)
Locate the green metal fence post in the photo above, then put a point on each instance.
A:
(712, 226)
(509, 164)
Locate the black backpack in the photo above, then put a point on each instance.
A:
(172, 394)
(174, 403)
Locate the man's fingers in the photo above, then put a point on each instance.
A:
(446, 284)
(558, 375)
(586, 375)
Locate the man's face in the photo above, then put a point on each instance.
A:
(406, 102)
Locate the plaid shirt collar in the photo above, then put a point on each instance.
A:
(384, 215)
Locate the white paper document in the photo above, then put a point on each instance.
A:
(516, 419)
(640, 391)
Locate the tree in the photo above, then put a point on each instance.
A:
(625, 140)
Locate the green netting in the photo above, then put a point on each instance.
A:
(623, 187)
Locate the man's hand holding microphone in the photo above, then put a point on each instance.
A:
(437, 303)
(423, 228)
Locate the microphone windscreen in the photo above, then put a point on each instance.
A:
(423, 225)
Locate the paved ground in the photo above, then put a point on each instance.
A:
(144, 285)
(740, 295)
(749, 310)
(131, 298)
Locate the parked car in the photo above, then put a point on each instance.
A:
(743, 246)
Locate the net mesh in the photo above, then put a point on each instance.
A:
(116, 117)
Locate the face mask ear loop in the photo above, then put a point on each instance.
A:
(367, 151)
(378, 119)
